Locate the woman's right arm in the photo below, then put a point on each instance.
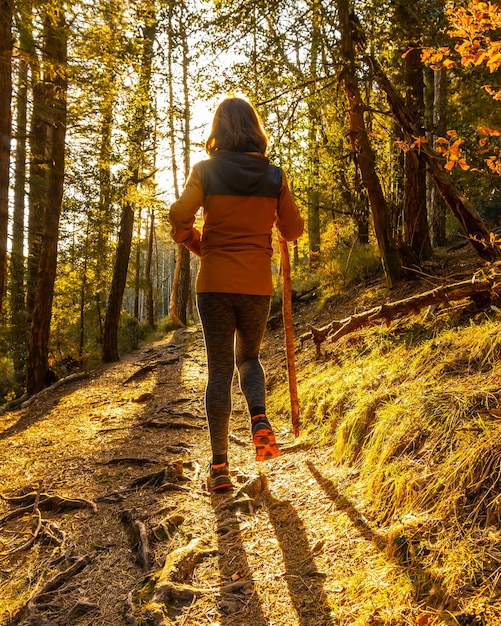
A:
(289, 222)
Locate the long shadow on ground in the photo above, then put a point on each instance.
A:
(303, 579)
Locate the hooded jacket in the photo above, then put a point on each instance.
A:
(243, 196)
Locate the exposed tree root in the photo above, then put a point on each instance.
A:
(30, 614)
(482, 291)
(131, 461)
(144, 554)
(149, 367)
(46, 502)
(170, 424)
(27, 544)
(170, 586)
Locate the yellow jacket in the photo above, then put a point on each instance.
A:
(243, 196)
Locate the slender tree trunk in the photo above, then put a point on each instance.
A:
(137, 278)
(104, 220)
(56, 57)
(313, 145)
(437, 204)
(6, 7)
(148, 278)
(83, 293)
(17, 260)
(415, 212)
(181, 287)
(114, 305)
(363, 152)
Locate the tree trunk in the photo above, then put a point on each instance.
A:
(471, 223)
(17, 260)
(114, 305)
(437, 204)
(363, 151)
(6, 7)
(314, 120)
(181, 284)
(415, 214)
(104, 218)
(55, 73)
(148, 278)
(137, 277)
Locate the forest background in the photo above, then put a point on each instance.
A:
(383, 114)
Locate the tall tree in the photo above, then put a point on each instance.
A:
(17, 260)
(362, 148)
(135, 166)
(181, 288)
(416, 231)
(6, 7)
(54, 90)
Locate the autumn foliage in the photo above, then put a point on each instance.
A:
(476, 28)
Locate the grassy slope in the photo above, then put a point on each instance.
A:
(414, 410)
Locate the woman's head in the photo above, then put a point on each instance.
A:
(236, 126)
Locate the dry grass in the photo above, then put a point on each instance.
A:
(416, 409)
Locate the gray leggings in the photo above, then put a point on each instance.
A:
(234, 326)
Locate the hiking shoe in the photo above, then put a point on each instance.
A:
(219, 478)
(266, 446)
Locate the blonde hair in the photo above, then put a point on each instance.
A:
(236, 125)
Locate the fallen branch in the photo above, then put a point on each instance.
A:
(26, 401)
(482, 291)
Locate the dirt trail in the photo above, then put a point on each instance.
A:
(287, 549)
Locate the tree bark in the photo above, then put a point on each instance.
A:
(363, 151)
(6, 8)
(55, 73)
(437, 210)
(289, 334)
(114, 305)
(415, 211)
(17, 259)
(148, 278)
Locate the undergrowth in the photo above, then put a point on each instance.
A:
(414, 411)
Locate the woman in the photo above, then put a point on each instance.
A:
(242, 196)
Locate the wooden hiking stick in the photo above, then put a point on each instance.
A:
(289, 334)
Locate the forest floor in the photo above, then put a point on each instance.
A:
(106, 520)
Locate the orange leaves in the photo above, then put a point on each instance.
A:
(416, 144)
(473, 26)
(451, 149)
(476, 26)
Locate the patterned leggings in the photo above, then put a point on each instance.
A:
(234, 326)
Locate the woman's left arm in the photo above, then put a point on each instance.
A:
(183, 212)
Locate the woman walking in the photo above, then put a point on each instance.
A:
(243, 196)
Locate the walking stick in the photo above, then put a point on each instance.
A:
(289, 334)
